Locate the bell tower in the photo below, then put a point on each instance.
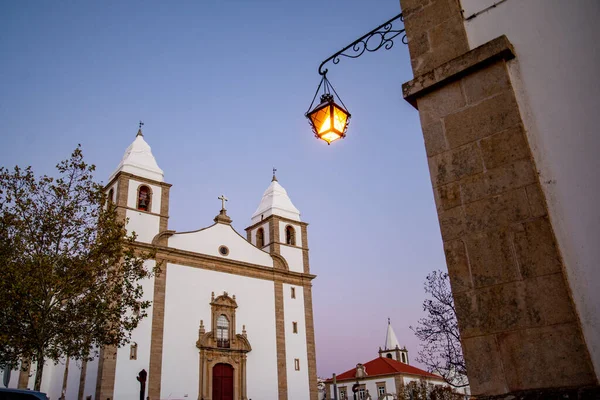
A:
(137, 187)
(277, 229)
(392, 347)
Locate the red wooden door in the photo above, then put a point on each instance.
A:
(222, 382)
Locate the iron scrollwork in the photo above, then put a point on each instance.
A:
(384, 37)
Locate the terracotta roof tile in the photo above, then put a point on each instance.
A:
(385, 366)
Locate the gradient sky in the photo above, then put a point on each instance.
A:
(222, 87)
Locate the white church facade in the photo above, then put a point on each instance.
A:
(231, 316)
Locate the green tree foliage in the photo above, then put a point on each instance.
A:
(70, 276)
(440, 349)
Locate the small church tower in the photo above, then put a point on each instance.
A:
(392, 347)
(276, 228)
(137, 187)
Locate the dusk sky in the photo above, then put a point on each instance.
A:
(222, 87)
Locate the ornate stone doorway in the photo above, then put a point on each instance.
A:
(223, 353)
(222, 382)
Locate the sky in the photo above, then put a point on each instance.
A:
(222, 87)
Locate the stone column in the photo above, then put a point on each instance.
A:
(519, 329)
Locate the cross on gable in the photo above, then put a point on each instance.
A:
(223, 200)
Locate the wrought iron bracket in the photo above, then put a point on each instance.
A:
(384, 37)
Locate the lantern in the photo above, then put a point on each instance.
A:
(329, 120)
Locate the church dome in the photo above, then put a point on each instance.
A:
(275, 201)
(138, 160)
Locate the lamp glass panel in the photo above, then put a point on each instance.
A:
(339, 119)
(320, 119)
(330, 137)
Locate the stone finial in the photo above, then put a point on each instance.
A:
(201, 330)
(233, 297)
(223, 218)
(244, 330)
(212, 296)
(274, 177)
(225, 293)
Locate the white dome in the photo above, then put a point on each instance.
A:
(138, 160)
(275, 201)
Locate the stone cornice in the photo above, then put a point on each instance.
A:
(272, 216)
(499, 48)
(137, 178)
(204, 261)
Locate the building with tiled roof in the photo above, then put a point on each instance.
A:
(384, 375)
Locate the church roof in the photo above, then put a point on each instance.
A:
(391, 341)
(275, 201)
(385, 366)
(138, 160)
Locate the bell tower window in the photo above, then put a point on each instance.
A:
(111, 195)
(260, 238)
(290, 235)
(144, 197)
(222, 331)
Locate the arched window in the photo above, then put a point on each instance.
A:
(222, 331)
(111, 195)
(144, 197)
(260, 238)
(389, 355)
(404, 358)
(290, 235)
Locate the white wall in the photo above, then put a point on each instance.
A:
(293, 256)
(208, 241)
(555, 75)
(370, 385)
(91, 376)
(145, 225)
(126, 384)
(295, 343)
(188, 296)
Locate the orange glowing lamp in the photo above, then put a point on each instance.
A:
(328, 120)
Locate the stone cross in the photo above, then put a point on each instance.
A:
(141, 124)
(223, 200)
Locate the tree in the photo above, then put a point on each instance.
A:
(70, 276)
(422, 390)
(440, 350)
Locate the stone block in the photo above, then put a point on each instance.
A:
(547, 300)
(482, 357)
(435, 141)
(537, 201)
(458, 266)
(448, 196)
(491, 258)
(500, 308)
(535, 248)
(495, 181)
(452, 165)
(419, 18)
(550, 356)
(419, 44)
(467, 314)
(493, 115)
(486, 82)
(505, 147)
(447, 100)
(497, 211)
(447, 41)
(452, 223)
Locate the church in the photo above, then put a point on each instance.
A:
(383, 377)
(231, 316)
